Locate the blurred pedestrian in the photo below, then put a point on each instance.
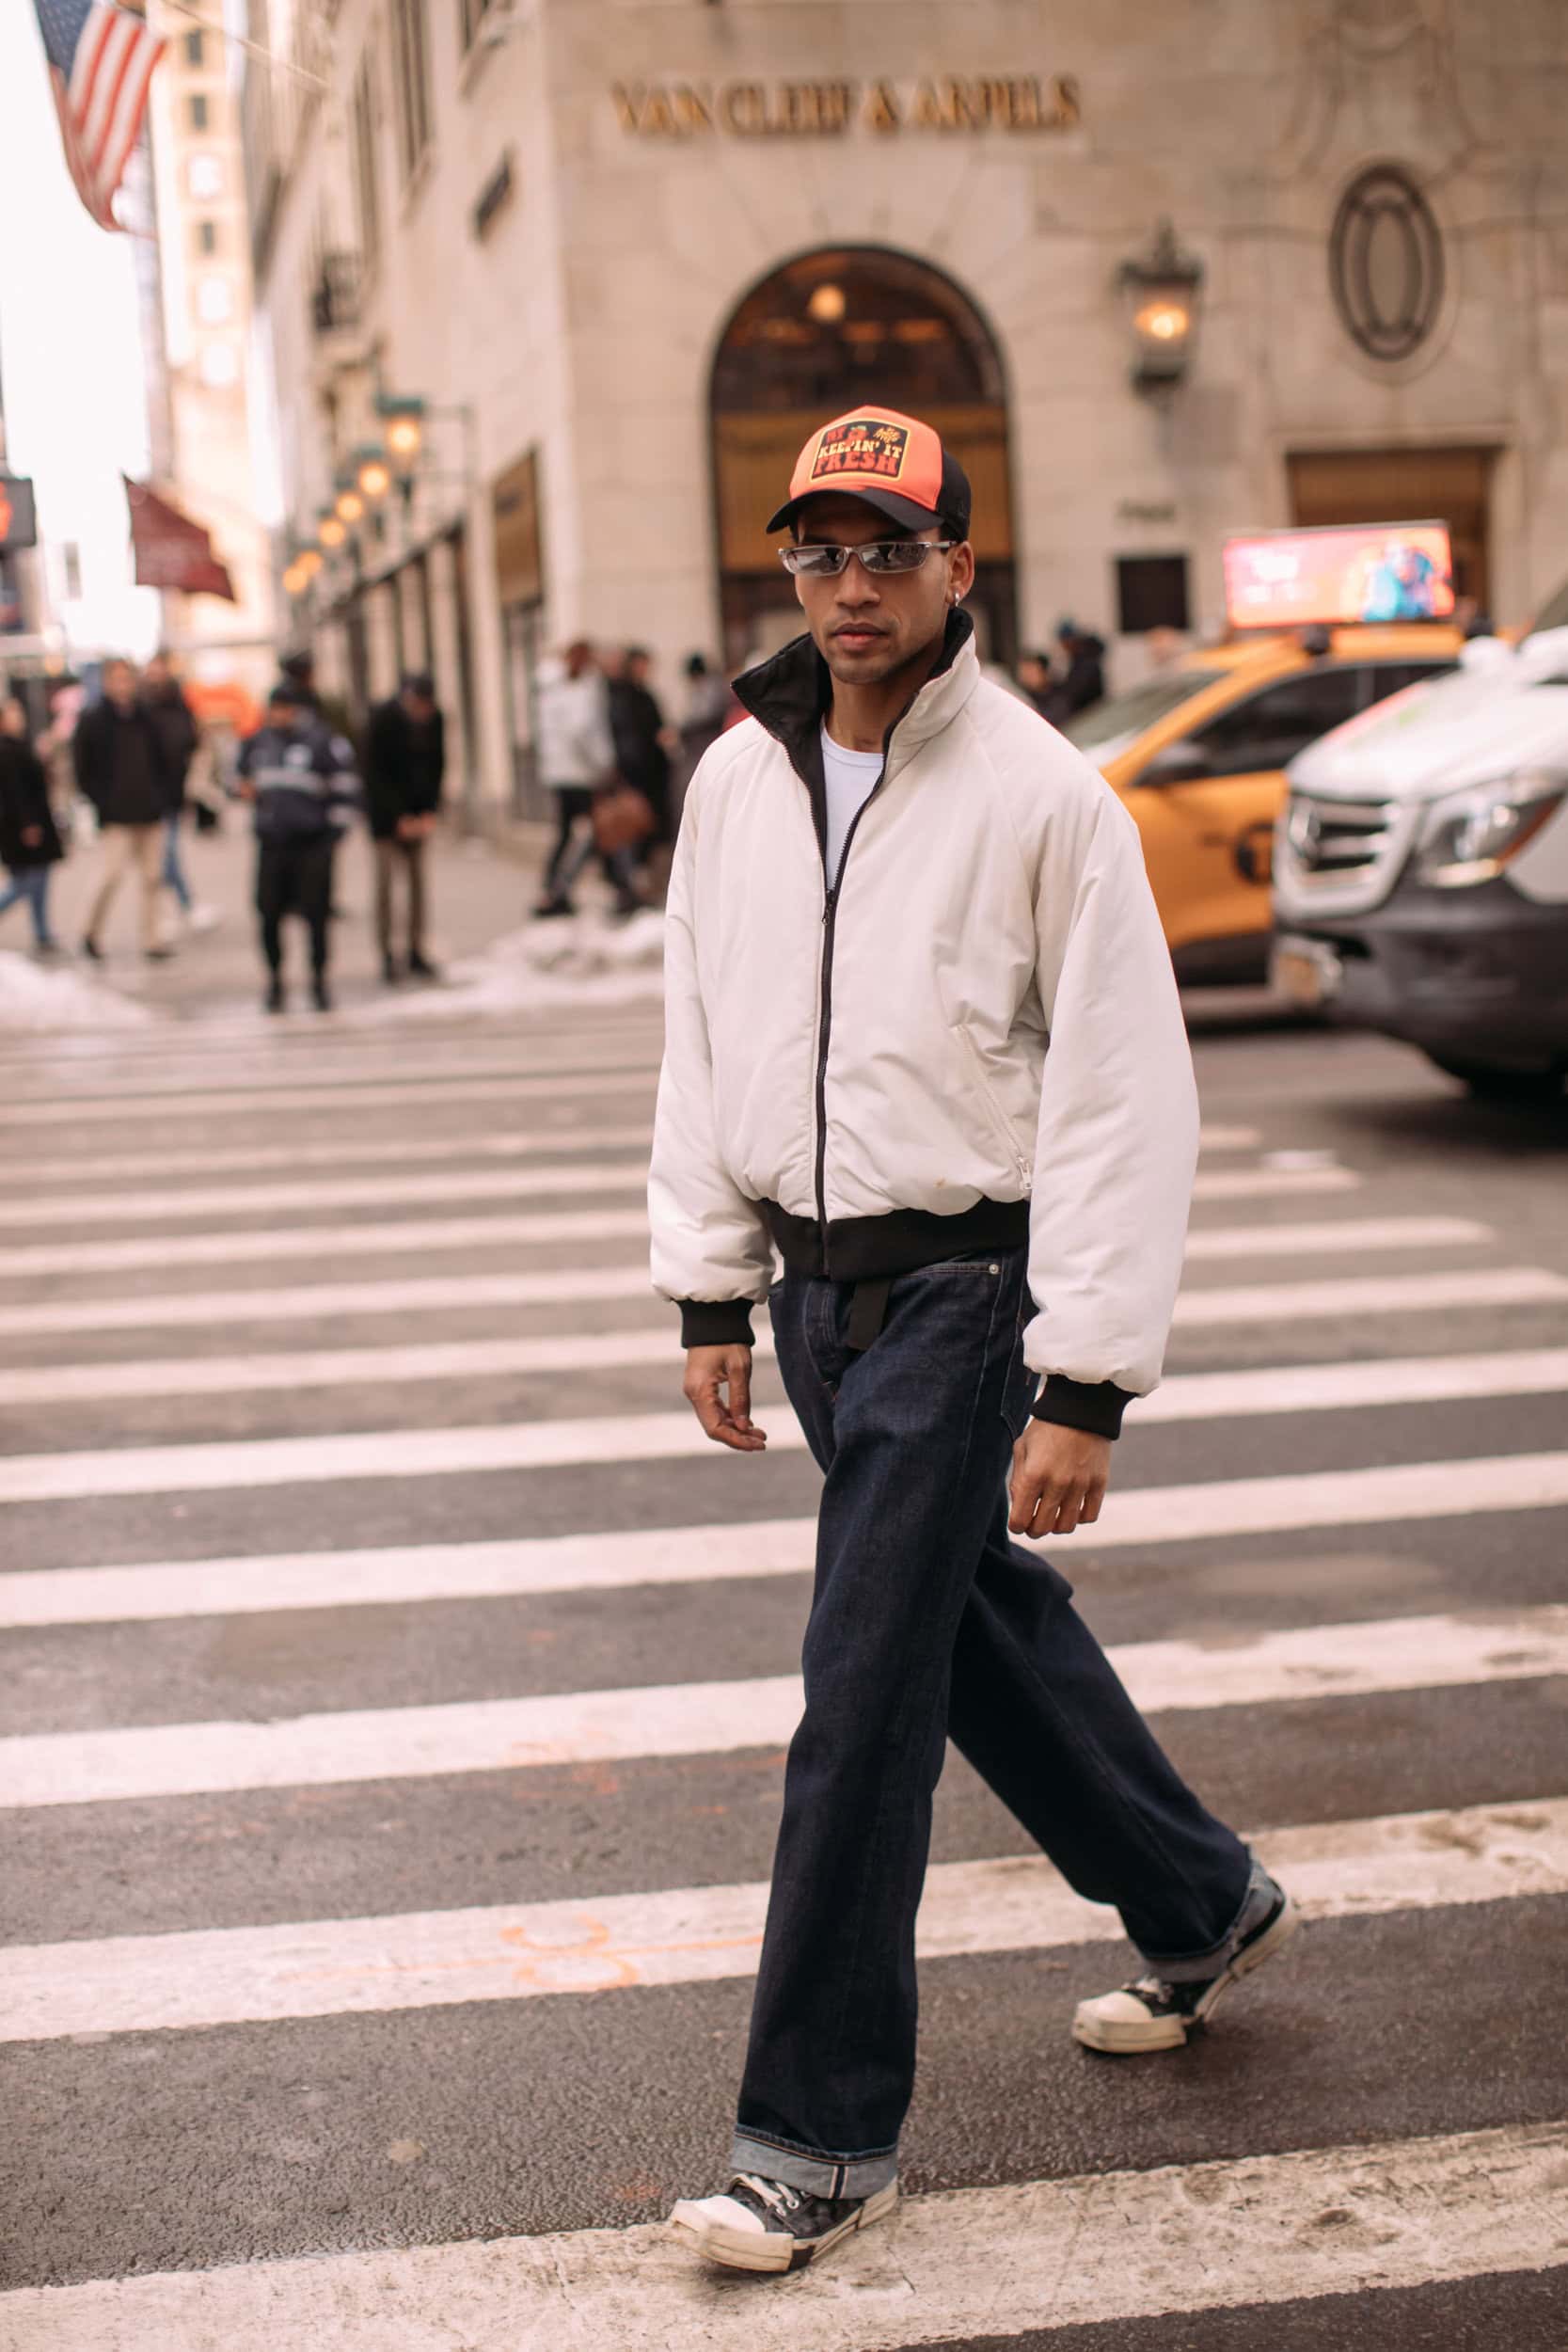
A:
(406, 762)
(1082, 682)
(881, 880)
(1033, 676)
(702, 721)
(125, 770)
(644, 741)
(29, 840)
(163, 699)
(302, 780)
(576, 759)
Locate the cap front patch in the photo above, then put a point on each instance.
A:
(865, 446)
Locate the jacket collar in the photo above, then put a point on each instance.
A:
(791, 695)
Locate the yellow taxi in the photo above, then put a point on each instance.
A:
(1198, 753)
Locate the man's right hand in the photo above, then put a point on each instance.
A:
(718, 1391)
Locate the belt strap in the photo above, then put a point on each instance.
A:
(867, 1312)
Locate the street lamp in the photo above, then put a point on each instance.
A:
(349, 505)
(1159, 289)
(374, 477)
(331, 532)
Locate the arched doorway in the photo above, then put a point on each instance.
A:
(835, 327)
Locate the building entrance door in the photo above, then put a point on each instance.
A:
(837, 327)
(1403, 486)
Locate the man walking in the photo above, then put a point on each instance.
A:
(642, 740)
(924, 1040)
(301, 778)
(123, 769)
(406, 762)
(163, 697)
(577, 759)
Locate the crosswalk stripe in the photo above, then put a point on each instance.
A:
(966, 2264)
(185, 1249)
(717, 1718)
(348, 1192)
(1287, 1302)
(690, 1935)
(640, 1437)
(308, 1241)
(535, 1142)
(528, 1143)
(176, 1078)
(436, 1094)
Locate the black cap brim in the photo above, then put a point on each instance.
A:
(901, 511)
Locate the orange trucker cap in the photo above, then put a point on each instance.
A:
(894, 463)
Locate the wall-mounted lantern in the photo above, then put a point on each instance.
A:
(1161, 289)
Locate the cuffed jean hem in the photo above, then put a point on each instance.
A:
(1192, 1967)
(819, 2176)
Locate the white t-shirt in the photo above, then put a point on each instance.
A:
(850, 778)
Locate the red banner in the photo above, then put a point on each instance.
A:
(172, 552)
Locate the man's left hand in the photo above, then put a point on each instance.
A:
(1058, 1481)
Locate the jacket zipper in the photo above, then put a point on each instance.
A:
(830, 891)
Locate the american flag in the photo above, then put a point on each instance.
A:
(100, 61)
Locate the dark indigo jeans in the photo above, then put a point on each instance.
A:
(927, 1623)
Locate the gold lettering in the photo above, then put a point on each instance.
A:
(658, 117)
(1068, 112)
(628, 105)
(998, 104)
(964, 104)
(881, 107)
(744, 109)
(834, 102)
(693, 111)
(926, 114)
(1023, 104)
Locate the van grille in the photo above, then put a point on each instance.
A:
(1339, 857)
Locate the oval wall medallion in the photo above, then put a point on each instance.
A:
(1386, 263)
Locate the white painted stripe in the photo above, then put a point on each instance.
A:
(172, 1077)
(1348, 1236)
(1287, 1303)
(336, 1100)
(1276, 1183)
(284, 1242)
(957, 2266)
(695, 1936)
(535, 1142)
(715, 1718)
(310, 1302)
(349, 1192)
(1359, 1295)
(1188, 1396)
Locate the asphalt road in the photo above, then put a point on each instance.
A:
(382, 1664)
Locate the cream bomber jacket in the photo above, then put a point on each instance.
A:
(974, 1035)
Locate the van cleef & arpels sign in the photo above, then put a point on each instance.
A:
(752, 110)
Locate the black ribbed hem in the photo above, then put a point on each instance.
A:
(900, 1240)
(716, 1322)
(1095, 1406)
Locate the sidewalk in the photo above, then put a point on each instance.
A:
(481, 891)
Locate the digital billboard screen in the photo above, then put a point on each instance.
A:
(1359, 572)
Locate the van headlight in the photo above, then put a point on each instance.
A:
(1469, 836)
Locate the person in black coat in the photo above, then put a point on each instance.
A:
(300, 779)
(125, 770)
(163, 699)
(405, 761)
(642, 741)
(29, 839)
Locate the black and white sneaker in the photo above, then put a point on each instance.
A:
(769, 2225)
(1150, 2014)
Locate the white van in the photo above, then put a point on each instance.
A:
(1420, 868)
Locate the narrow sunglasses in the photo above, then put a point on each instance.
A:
(880, 555)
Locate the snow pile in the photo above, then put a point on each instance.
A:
(581, 959)
(45, 996)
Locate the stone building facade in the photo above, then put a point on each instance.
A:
(625, 251)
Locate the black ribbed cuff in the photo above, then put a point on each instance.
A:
(716, 1322)
(1095, 1406)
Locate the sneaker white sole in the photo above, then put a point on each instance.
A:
(1125, 2037)
(768, 2249)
